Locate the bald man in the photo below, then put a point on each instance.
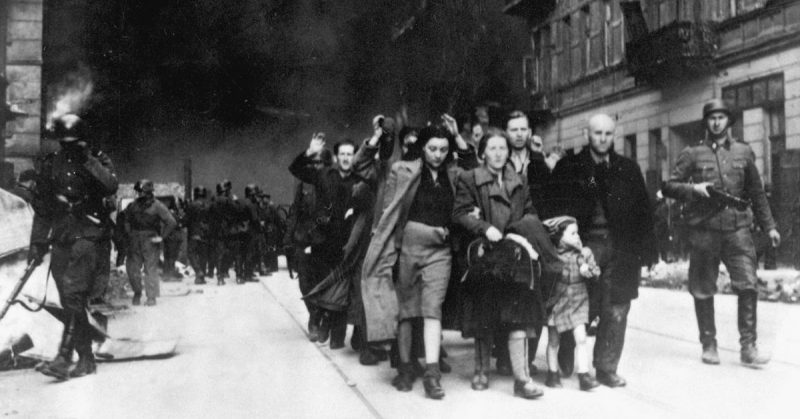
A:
(606, 193)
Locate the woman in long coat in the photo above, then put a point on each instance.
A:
(502, 200)
(413, 233)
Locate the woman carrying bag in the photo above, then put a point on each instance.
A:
(491, 202)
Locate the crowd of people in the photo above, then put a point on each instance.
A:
(416, 230)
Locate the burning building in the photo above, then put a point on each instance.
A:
(653, 64)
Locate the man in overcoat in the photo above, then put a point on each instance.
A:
(606, 193)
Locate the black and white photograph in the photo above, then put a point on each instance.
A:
(399, 209)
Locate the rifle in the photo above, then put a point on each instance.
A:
(18, 287)
(725, 199)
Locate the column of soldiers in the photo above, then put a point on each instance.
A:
(225, 232)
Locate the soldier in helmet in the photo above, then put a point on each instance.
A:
(224, 214)
(147, 222)
(72, 220)
(198, 230)
(719, 230)
(249, 238)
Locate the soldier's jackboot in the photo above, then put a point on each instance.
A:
(748, 301)
(59, 367)
(704, 310)
(83, 346)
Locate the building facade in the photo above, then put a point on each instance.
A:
(652, 65)
(21, 27)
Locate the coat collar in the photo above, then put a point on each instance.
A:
(586, 159)
(511, 179)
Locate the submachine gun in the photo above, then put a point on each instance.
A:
(724, 199)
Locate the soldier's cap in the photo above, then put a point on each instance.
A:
(717, 105)
(227, 185)
(144, 186)
(69, 128)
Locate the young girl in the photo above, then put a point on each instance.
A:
(569, 300)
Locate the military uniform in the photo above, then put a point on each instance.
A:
(720, 231)
(146, 218)
(199, 240)
(71, 216)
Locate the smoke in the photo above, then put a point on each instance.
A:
(69, 96)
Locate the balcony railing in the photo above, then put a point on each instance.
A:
(678, 51)
(532, 10)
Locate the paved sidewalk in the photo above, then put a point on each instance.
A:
(243, 353)
(661, 363)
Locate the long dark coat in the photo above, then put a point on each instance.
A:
(516, 305)
(377, 284)
(574, 189)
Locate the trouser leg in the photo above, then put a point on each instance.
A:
(150, 253)
(610, 335)
(133, 266)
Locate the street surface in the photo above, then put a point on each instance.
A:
(243, 353)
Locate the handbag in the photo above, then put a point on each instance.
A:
(499, 263)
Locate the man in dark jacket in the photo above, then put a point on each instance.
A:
(70, 215)
(606, 193)
(333, 188)
(720, 230)
(300, 235)
(147, 223)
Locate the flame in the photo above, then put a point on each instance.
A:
(70, 96)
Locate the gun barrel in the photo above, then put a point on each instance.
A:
(18, 288)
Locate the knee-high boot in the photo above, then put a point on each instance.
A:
(704, 310)
(83, 345)
(748, 300)
(59, 367)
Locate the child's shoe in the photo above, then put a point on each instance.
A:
(587, 381)
(553, 379)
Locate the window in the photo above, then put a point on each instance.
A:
(615, 41)
(576, 45)
(767, 93)
(530, 75)
(763, 92)
(595, 45)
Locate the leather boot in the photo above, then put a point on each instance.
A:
(587, 382)
(405, 377)
(527, 389)
(704, 310)
(748, 300)
(59, 367)
(431, 382)
(313, 327)
(137, 298)
(324, 328)
(85, 365)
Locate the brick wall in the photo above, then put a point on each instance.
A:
(23, 69)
